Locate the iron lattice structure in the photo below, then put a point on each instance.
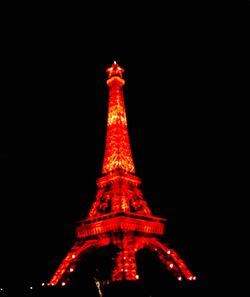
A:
(119, 216)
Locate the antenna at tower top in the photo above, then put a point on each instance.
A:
(115, 70)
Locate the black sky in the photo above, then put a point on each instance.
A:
(175, 61)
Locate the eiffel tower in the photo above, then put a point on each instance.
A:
(119, 216)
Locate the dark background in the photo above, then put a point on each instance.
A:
(178, 66)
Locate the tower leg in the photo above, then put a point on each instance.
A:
(171, 259)
(125, 262)
(70, 261)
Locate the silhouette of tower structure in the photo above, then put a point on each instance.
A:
(119, 216)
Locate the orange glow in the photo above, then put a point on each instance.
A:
(119, 215)
(117, 151)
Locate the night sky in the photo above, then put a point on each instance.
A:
(177, 122)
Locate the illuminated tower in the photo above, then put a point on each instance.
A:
(119, 215)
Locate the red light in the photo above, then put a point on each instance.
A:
(120, 216)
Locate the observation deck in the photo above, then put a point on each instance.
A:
(121, 222)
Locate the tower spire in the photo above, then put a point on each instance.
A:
(117, 150)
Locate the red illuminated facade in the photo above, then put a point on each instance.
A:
(119, 215)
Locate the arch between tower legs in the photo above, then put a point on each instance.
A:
(124, 263)
(125, 266)
(168, 256)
